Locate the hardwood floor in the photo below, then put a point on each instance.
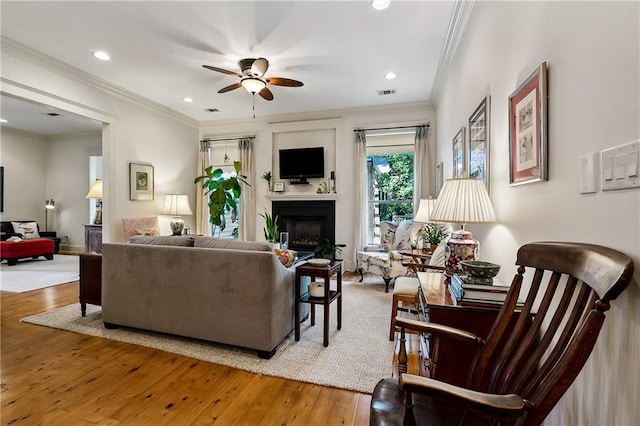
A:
(54, 377)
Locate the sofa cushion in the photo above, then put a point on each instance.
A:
(27, 229)
(227, 243)
(163, 240)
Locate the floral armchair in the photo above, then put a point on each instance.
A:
(384, 259)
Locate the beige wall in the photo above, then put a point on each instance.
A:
(593, 53)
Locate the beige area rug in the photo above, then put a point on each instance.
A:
(32, 274)
(357, 356)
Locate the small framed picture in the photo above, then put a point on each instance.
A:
(278, 187)
(528, 129)
(459, 154)
(140, 182)
(479, 141)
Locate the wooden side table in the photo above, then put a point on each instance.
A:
(90, 280)
(324, 272)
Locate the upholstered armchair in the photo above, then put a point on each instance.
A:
(384, 259)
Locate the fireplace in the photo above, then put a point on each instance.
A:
(308, 222)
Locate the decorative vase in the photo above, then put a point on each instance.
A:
(461, 246)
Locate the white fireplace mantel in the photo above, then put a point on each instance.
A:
(301, 196)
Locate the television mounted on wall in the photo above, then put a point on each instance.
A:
(300, 164)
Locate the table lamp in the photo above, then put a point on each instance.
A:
(49, 204)
(96, 192)
(176, 205)
(462, 201)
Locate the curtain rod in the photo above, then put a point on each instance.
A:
(394, 128)
(228, 138)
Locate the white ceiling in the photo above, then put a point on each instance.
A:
(340, 50)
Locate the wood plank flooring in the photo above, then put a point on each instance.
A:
(54, 377)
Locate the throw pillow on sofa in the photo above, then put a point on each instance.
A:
(27, 229)
(287, 257)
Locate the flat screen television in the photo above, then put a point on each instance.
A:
(299, 164)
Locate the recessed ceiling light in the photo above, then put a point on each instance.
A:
(390, 75)
(187, 99)
(380, 4)
(2, 120)
(103, 56)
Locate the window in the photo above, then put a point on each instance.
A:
(390, 178)
(222, 156)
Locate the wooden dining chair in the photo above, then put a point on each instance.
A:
(523, 367)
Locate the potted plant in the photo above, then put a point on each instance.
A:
(326, 249)
(223, 192)
(433, 234)
(267, 177)
(270, 227)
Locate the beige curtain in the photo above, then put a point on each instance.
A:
(247, 214)
(203, 227)
(361, 193)
(421, 167)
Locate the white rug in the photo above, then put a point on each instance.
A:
(357, 356)
(32, 274)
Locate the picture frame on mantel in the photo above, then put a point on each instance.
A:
(278, 187)
(141, 182)
(528, 129)
(479, 141)
(459, 154)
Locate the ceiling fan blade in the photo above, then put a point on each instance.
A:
(230, 87)
(259, 67)
(278, 81)
(266, 94)
(223, 71)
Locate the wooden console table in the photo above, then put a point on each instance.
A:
(324, 272)
(90, 280)
(444, 358)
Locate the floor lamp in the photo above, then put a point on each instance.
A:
(49, 204)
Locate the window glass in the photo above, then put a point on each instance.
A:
(390, 178)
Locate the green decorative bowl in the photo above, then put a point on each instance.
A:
(480, 271)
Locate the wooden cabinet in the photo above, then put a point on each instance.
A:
(90, 280)
(93, 238)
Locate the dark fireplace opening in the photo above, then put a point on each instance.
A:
(308, 222)
(305, 233)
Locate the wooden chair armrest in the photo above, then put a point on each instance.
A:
(423, 267)
(442, 330)
(501, 405)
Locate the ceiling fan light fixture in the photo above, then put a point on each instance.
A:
(253, 85)
(380, 4)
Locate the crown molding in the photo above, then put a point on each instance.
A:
(459, 17)
(39, 59)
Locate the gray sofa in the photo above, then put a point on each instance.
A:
(226, 291)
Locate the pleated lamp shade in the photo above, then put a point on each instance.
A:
(463, 201)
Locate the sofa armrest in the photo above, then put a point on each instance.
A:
(375, 247)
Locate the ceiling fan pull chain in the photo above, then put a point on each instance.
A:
(254, 105)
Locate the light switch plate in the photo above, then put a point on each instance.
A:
(620, 167)
(588, 167)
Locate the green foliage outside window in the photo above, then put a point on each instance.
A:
(397, 184)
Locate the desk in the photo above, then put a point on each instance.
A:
(324, 272)
(447, 359)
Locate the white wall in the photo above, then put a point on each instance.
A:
(592, 52)
(24, 157)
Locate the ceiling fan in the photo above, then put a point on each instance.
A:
(253, 79)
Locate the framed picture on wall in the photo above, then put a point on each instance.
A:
(479, 141)
(459, 156)
(140, 182)
(528, 129)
